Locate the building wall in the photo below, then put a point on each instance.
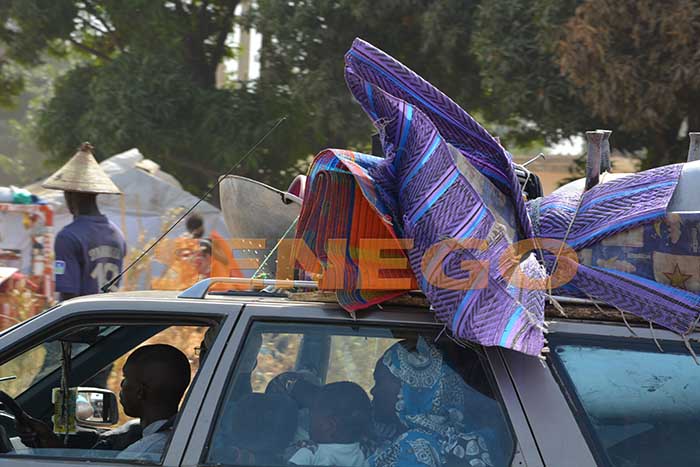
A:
(555, 169)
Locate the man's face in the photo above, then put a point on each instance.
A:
(71, 201)
(131, 392)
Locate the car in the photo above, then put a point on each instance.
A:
(609, 392)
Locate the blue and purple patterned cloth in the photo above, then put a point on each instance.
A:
(430, 407)
(448, 186)
(614, 263)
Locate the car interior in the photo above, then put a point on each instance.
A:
(93, 348)
(297, 359)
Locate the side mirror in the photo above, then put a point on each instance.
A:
(96, 407)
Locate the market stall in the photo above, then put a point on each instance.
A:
(26, 261)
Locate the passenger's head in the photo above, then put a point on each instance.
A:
(340, 413)
(412, 379)
(206, 343)
(249, 356)
(385, 394)
(263, 426)
(195, 225)
(154, 375)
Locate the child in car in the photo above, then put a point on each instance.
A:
(340, 416)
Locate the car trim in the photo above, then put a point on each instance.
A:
(526, 451)
(192, 406)
(556, 431)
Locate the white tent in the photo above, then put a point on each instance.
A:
(149, 196)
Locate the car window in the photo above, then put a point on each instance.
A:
(277, 354)
(639, 406)
(94, 439)
(36, 363)
(359, 370)
(358, 395)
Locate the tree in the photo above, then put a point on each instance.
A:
(515, 43)
(636, 63)
(305, 40)
(146, 79)
(21, 161)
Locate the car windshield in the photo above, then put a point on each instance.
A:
(639, 406)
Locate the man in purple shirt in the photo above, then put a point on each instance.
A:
(90, 250)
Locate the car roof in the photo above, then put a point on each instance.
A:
(408, 303)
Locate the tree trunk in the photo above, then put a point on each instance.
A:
(197, 63)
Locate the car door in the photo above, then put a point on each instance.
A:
(356, 345)
(612, 396)
(139, 320)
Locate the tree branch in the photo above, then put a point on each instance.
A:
(180, 8)
(92, 10)
(90, 50)
(203, 17)
(92, 26)
(202, 29)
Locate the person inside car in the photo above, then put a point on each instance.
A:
(418, 405)
(340, 416)
(270, 421)
(155, 378)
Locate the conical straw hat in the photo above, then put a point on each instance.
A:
(83, 174)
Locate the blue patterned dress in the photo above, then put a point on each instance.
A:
(430, 408)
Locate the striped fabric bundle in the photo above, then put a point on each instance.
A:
(446, 201)
(428, 192)
(344, 204)
(606, 208)
(602, 212)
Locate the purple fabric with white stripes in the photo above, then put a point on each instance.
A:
(605, 210)
(435, 201)
(457, 127)
(427, 188)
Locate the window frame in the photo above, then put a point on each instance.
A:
(566, 383)
(140, 311)
(330, 314)
(543, 399)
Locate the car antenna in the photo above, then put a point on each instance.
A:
(108, 285)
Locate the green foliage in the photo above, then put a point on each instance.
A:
(636, 63)
(28, 28)
(143, 74)
(304, 42)
(515, 42)
(24, 161)
(149, 102)
(10, 86)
